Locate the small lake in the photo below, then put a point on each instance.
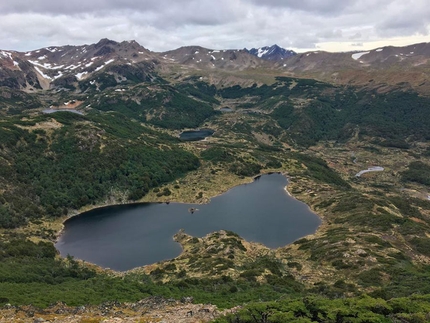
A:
(128, 236)
(370, 169)
(62, 110)
(194, 135)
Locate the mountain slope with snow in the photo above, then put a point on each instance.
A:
(271, 53)
(57, 67)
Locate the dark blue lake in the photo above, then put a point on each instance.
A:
(127, 236)
(194, 135)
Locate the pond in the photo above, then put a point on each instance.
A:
(127, 236)
(370, 169)
(194, 135)
(61, 110)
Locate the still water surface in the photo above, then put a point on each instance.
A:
(127, 236)
(195, 135)
(62, 110)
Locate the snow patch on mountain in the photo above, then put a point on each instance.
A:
(262, 52)
(72, 67)
(60, 74)
(106, 63)
(53, 50)
(357, 56)
(47, 66)
(80, 76)
(6, 54)
(42, 74)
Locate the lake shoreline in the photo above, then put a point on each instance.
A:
(140, 202)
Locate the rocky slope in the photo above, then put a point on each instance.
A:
(394, 66)
(61, 67)
(203, 58)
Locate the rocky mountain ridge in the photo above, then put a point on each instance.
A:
(406, 66)
(59, 66)
(204, 58)
(77, 68)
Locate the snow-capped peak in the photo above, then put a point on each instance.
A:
(273, 52)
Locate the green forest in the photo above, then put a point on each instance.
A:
(80, 163)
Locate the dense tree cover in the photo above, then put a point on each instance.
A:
(200, 90)
(167, 107)
(81, 163)
(13, 102)
(217, 154)
(318, 169)
(418, 172)
(363, 309)
(337, 113)
(394, 116)
(30, 273)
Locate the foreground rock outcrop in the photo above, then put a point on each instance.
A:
(153, 309)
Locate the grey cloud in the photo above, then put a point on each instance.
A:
(75, 6)
(405, 18)
(318, 6)
(162, 25)
(199, 12)
(404, 26)
(355, 36)
(357, 44)
(330, 34)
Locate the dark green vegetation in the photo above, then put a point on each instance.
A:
(167, 107)
(82, 162)
(319, 170)
(27, 268)
(418, 172)
(14, 102)
(318, 309)
(312, 111)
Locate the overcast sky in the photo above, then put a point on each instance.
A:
(159, 25)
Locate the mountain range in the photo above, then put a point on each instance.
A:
(71, 67)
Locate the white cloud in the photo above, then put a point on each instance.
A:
(161, 25)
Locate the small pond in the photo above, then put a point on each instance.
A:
(62, 110)
(194, 135)
(370, 169)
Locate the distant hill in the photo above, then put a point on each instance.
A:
(209, 58)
